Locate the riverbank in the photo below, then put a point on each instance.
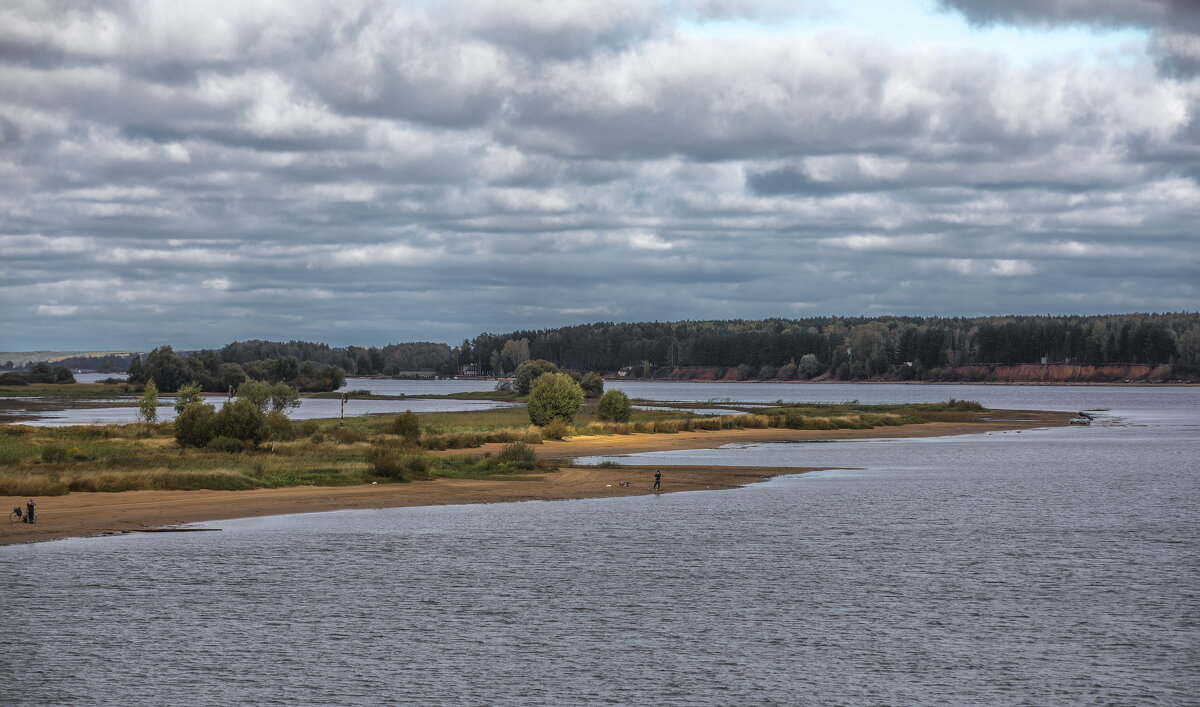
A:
(82, 514)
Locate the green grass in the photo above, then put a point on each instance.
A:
(41, 461)
(73, 391)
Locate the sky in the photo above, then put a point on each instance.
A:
(367, 172)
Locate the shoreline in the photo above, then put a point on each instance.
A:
(90, 514)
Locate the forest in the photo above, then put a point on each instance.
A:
(853, 348)
(1153, 347)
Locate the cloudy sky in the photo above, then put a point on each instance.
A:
(367, 172)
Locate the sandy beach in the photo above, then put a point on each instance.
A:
(94, 514)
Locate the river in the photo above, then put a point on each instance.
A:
(1053, 566)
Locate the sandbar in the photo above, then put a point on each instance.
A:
(96, 514)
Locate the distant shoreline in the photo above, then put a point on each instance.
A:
(81, 514)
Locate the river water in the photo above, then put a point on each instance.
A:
(1050, 566)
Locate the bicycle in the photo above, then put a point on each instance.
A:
(18, 516)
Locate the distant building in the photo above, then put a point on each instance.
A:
(470, 369)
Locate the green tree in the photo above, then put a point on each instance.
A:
(256, 393)
(135, 373)
(232, 376)
(284, 397)
(530, 371)
(241, 420)
(62, 374)
(186, 395)
(148, 405)
(614, 407)
(809, 366)
(553, 396)
(593, 385)
(167, 368)
(194, 426)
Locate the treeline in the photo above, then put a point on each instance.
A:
(848, 348)
(390, 360)
(170, 371)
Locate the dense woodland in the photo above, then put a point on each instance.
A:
(826, 348)
(850, 348)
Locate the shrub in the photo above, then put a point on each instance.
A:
(226, 444)
(318, 437)
(241, 420)
(345, 435)
(186, 396)
(528, 372)
(407, 426)
(309, 427)
(553, 396)
(54, 454)
(13, 379)
(614, 407)
(517, 454)
(592, 385)
(557, 429)
(76, 454)
(279, 427)
(194, 426)
(396, 466)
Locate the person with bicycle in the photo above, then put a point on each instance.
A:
(30, 516)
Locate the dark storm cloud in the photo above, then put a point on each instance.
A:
(365, 172)
(1165, 14)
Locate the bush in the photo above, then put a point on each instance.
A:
(309, 427)
(194, 426)
(529, 371)
(54, 454)
(241, 420)
(614, 407)
(592, 385)
(396, 466)
(279, 427)
(557, 429)
(76, 454)
(517, 454)
(407, 426)
(226, 444)
(13, 379)
(553, 396)
(345, 435)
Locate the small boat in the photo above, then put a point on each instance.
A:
(1081, 419)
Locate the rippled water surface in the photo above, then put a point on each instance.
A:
(1042, 567)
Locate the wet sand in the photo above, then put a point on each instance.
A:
(92, 514)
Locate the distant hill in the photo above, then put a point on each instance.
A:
(70, 359)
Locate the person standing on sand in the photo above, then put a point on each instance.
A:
(657, 479)
(29, 506)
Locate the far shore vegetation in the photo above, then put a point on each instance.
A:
(251, 443)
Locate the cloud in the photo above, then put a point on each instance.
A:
(353, 171)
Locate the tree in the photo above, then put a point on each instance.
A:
(530, 371)
(593, 385)
(62, 374)
(553, 396)
(40, 372)
(167, 369)
(256, 393)
(187, 395)
(241, 420)
(194, 426)
(232, 376)
(148, 405)
(284, 397)
(809, 366)
(614, 407)
(135, 373)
